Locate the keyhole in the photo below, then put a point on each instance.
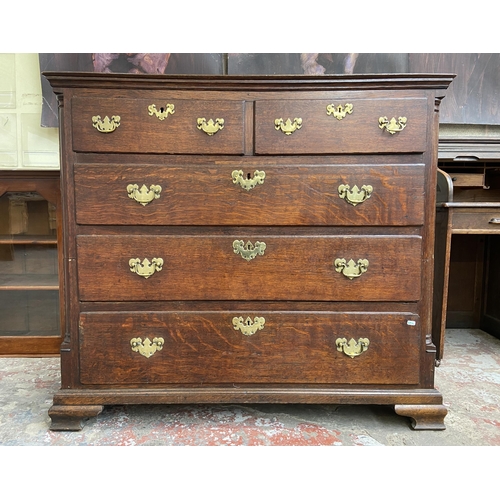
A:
(248, 176)
(161, 110)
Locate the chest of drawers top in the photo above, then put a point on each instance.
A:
(227, 115)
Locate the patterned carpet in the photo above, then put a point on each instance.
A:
(469, 379)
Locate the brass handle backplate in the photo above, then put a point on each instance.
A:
(288, 127)
(351, 269)
(210, 127)
(339, 111)
(354, 195)
(352, 348)
(146, 268)
(161, 113)
(246, 182)
(248, 250)
(107, 124)
(147, 348)
(392, 126)
(143, 195)
(247, 326)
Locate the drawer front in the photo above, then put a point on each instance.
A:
(244, 346)
(140, 131)
(476, 221)
(317, 132)
(243, 266)
(243, 193)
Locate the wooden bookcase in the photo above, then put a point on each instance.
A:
(30, 232)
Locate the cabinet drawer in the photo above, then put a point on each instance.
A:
(140, 131)
(206, 347)
(357, 132)
(243, 266)
(476, 221)
(213, 194)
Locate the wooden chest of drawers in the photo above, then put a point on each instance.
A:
(248, 240)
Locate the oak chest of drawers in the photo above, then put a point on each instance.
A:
(248, 240)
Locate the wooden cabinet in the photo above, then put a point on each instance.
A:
(467, 238)
(29, 265)
(248, 240)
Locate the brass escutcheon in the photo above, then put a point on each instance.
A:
(143, 195)
(146, 347)
(146, 268)
(163, 112)
(247, 326)
(107, 124)
(352, 348)
(339, 111)
(248, 183)
(351, 269)
(392, 126)
(248, 251)
(210, 127)
(288, 127)
(355, 195)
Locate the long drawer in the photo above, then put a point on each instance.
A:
(241, 266)
(206, 347)
(246, 193)
(128, 125)
(306, 126)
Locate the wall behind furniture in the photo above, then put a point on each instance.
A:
(24, 143)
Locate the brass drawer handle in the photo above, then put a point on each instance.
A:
(163, 112)
(107, 124)
(247, 326)
(392, 126)
(210, 127)
(248, 183)
(352, 348)
(143, 195)
(288, 127)
(355, 195)
(146, 268)
(147, 348)
(339, 111)
(248, 251)
(494, 220)
(351, 269)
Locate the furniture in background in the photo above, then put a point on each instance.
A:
(467, 290)
(248, 240)
(29, 265)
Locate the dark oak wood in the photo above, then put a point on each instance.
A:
(201, 193)
(72, 418)
(292, 268)
(358, 132)
(424, 417)
(261, 358)
(144, 133)
(189, 304)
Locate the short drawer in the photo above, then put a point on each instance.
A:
(249, 346)
(249, 193)
(368, 126)
(478, 220)
(132, 125)
(245, 266)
